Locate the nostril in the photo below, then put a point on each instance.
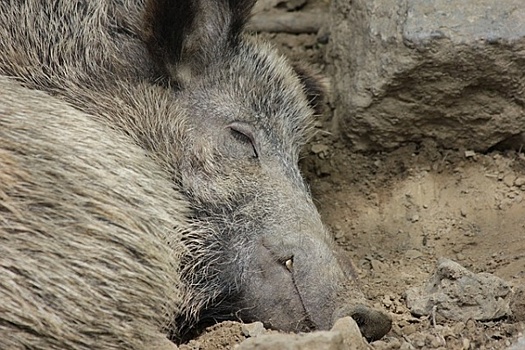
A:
(359, 318)
(372, 323)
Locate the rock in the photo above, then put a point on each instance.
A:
(519, 345)
(406, 346)
(407, 70)
(410, 329)
(509, 180)
(265, 5)
(352, 338)
(307, 341)
(470, 154)
(458, 294)
(319, 148)
(164, 344)
(252, 329)
(517, 305)
(520, 181)
(413, 254)
(293, 5)
(378, 266)
(344, 335)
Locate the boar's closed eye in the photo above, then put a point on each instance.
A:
(244, 135)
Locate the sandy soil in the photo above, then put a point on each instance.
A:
(397, 213)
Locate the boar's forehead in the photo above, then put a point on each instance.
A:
(256, 85)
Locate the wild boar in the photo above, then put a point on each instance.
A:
(149, 180)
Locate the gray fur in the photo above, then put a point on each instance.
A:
(145, 189)
(89, 229)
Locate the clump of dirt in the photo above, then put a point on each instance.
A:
(397, 213)
(221, 336)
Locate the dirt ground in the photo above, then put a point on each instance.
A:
(396, 213)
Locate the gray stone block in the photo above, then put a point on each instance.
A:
(406, 70)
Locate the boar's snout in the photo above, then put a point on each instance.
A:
(297, 284)
(373, 324)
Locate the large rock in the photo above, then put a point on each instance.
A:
(458, 294)
(344, 335)
(405, 70)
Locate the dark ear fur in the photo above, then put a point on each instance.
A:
(315, 86)
(165, 24)
(185, 36)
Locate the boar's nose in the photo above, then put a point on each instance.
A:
(372, 323)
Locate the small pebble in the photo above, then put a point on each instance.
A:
(410, 329)
(377, 265)
(386, 302)
(319, 148)
(413, 254)
(253, 329)
(469, 154)
(520, 181)
(509, 180)
(419, 340)
(458, 327)
(436, 341)
(293, 5)
(380, 344)
(406, 346)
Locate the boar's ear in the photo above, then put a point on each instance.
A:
(315, 86)
(186, 36)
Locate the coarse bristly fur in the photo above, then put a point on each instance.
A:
(149, 180)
